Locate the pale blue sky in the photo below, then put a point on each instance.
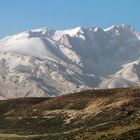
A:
(21, 15)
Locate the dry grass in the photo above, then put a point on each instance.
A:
(93, 114)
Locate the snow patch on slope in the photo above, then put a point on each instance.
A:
(45, 62)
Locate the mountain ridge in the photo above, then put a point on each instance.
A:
(50, 63)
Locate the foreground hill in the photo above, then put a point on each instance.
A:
(45, 62)
(87, 115)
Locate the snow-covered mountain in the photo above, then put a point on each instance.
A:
(45, 62)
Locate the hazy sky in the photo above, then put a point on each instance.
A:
(21, 15)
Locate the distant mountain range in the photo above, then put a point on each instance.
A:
(45, 62)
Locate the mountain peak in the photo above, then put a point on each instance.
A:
(120, 27)
(75, 31)
(53, 62)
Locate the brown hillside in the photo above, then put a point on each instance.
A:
(94, 114)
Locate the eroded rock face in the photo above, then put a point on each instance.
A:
(25, 76)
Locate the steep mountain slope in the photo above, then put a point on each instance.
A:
(129, 75)
(45, 62)
(92, 114)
